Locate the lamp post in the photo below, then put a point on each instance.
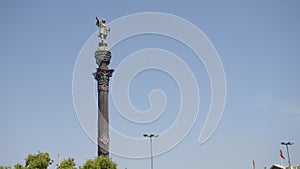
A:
(287, 144)
(150, 137)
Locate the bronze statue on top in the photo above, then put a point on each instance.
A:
(103, 29)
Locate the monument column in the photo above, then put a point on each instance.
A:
(102, 75)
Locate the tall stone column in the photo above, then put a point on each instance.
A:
(103, 74)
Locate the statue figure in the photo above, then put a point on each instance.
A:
(103, 29)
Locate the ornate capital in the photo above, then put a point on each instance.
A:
(102, 76)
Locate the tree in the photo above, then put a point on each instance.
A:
(105, 163)
(5, 167)
(90, 164)
(19, 166)
(100, 163)
(67, 164)
(38, 161)
(43, 160)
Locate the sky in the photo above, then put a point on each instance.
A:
(257, 43)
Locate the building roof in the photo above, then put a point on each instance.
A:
(277, 166)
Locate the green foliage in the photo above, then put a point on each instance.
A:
(19, 166)
(67, 164)
(105, 163)
(38, 161)
(100, 163)
(89, 164)
(43, 160)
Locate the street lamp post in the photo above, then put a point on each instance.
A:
(287, 144)
(150, 136)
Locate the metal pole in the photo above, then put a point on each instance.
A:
(151, 149)
(151, 152)
(287, 149)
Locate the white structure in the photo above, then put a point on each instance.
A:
(277, 166)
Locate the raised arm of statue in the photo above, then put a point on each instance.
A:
(97, 21)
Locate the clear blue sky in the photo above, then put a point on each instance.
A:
(258, 44)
